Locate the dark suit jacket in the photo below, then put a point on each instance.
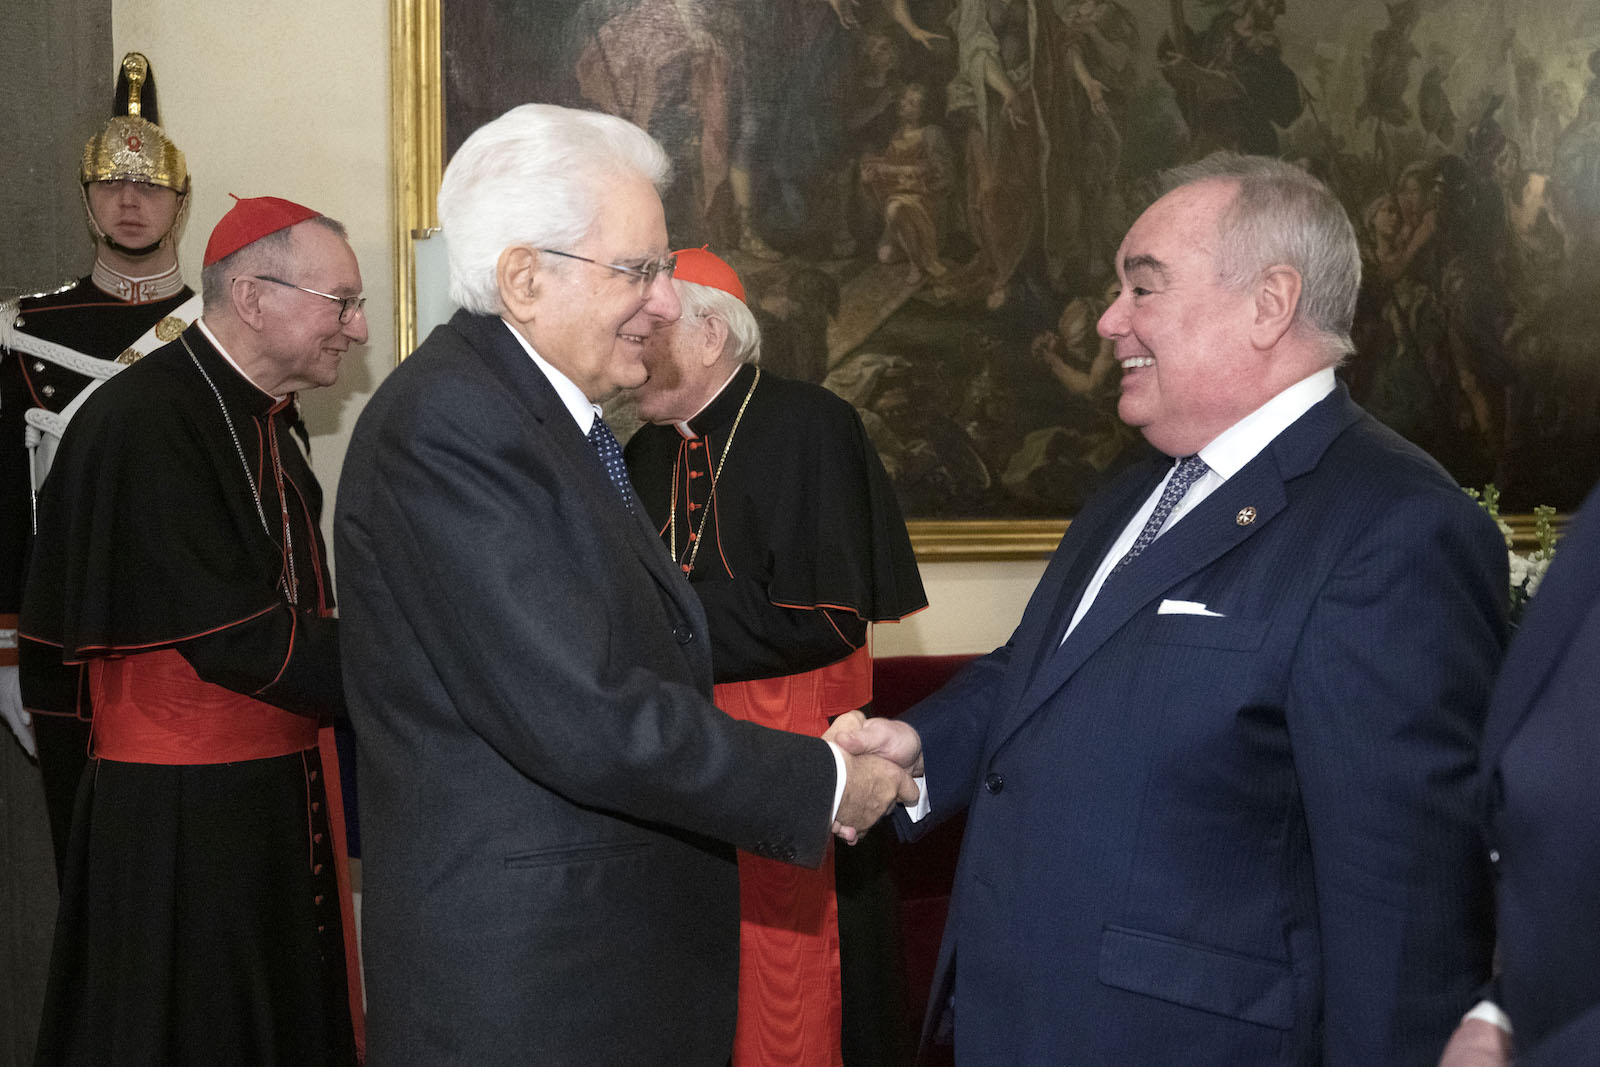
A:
(1541, 759)
(1239, 840)
(550, 804)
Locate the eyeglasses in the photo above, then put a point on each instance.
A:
(348, 305)
(645, 274)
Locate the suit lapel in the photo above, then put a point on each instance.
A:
(492, 341)
(1089, 537)
(1202, 537)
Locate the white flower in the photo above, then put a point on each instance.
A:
(1536, 572)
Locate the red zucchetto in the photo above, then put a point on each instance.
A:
(251, 219)
(703, 267)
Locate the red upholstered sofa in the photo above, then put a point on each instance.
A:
(923, 872)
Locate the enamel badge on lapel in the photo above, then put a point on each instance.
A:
(1245, 517)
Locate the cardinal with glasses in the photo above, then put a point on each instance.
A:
(204, 906)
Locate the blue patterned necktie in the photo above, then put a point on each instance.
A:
(605, 443)
(1188, 471)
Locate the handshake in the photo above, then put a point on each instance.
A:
(881, 758)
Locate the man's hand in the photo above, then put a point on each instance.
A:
(1477, 1043)
(889, 738)
(849, 722)
(12, 712)
(872, 785)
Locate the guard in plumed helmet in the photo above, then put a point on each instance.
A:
(56, 347)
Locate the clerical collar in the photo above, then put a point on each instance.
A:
(722, 407)
(136, 290)
(223, 352)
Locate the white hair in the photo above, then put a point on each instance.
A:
(533, 177)
(1281, 214)
(700, 301)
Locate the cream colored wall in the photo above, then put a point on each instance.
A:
(972, 607)
(289, 99)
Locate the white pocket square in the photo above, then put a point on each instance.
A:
(1187, 607)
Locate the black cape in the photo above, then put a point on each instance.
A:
(150, 536)
(804, 543)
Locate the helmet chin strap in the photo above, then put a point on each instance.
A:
(134, 253)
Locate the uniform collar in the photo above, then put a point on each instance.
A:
(136, 290)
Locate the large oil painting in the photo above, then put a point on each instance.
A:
(924, 198)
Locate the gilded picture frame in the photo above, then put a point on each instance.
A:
(1173, 46)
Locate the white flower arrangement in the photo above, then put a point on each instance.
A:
(1527, 568)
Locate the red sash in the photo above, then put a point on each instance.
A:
(153, 708)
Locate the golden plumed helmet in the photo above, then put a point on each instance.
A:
(132, 147)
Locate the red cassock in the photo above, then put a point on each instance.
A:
(789, 999)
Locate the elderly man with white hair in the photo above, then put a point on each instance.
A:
(770, 497)
(551, 802)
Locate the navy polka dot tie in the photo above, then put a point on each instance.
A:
(1190, 469)
(605, 443)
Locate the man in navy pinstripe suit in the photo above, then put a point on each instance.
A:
(1541, 766)
(1219, 783)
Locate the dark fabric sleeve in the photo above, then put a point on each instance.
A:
(1576, 1042)
(48, 685)
(754, 638)
(1386, 702)
(287, 659)
(551, 639)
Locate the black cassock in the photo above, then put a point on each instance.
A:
(201, 916)
(804, 540)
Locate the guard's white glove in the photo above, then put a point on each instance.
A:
(20, 721)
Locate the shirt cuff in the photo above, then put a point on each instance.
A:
(1488, 1011)
(919, 811)
(838, 780)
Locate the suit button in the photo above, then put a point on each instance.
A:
(1494, 855)
(994, 783)
(684, 634)
(38, 365)
(48, 390)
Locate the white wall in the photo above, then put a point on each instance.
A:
(290, 99)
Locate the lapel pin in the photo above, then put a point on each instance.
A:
(1245, 517)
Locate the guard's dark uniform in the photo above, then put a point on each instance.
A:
(86, 319)
(106, 318)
